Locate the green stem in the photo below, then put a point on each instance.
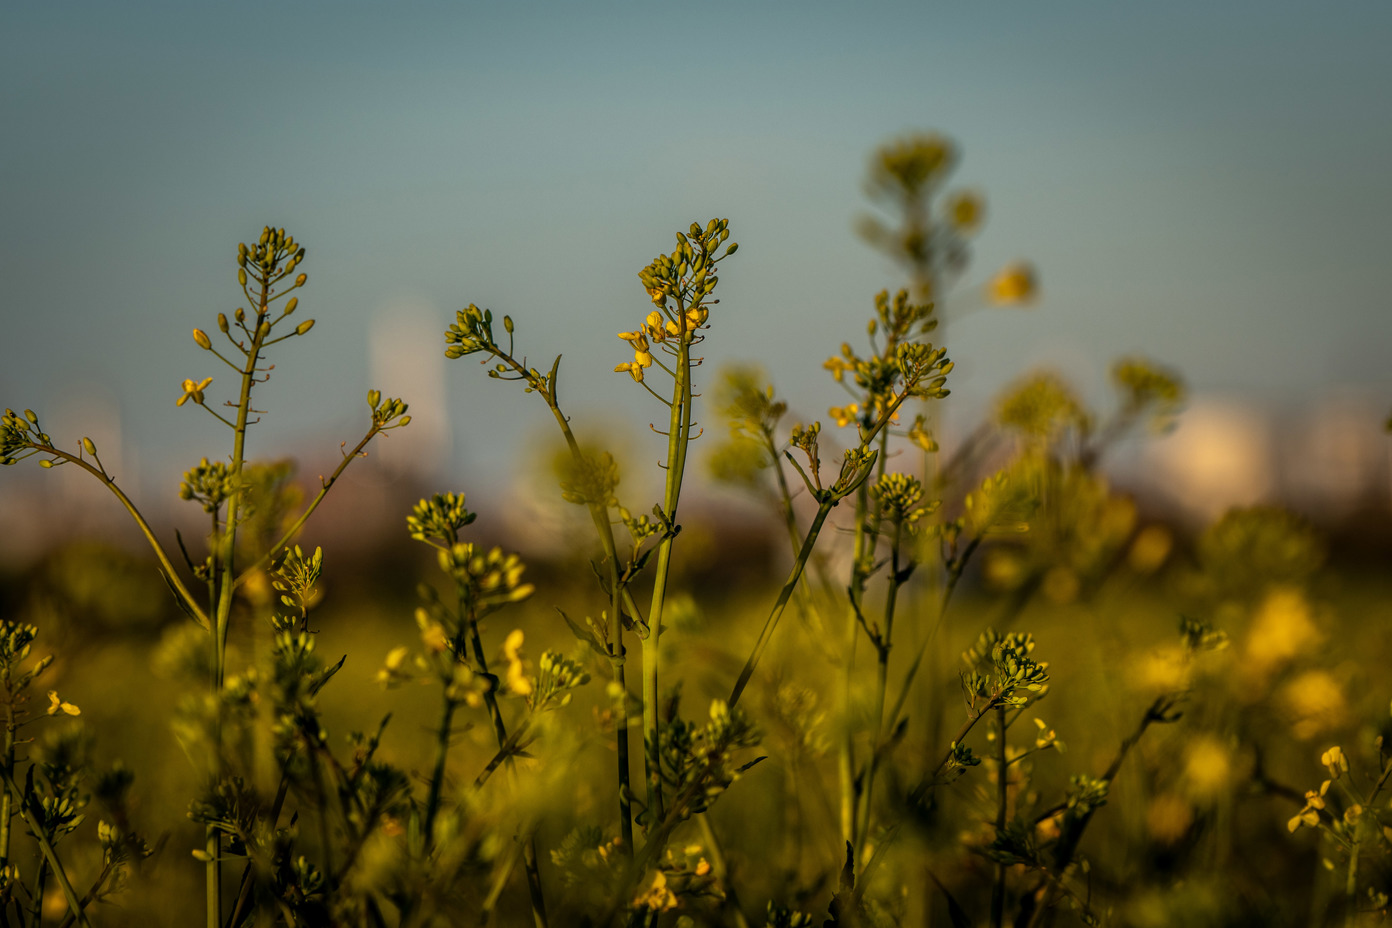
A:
(321, 804)
(678, 437)
(599, 514)
(1351, 887)
(442, 746)
(86, 900)
(7, 798)
(37, 896)
(867, 536)
(954, 575)
(226, 584)
(881, 687)
(490, 698)
(845, 755)
(1002, 798)
(808, 542)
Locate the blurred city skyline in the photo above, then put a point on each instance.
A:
(1203, 184)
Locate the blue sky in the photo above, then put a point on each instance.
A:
(1206, 183)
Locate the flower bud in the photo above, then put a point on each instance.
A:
(291, 304)
(241, 276)
(374, 398)
(304, 327)
(202, 338)
(300, 281)
(89, 447)
(241, 314)
(222, 323)
(405, 420)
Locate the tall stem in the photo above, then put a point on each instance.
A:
(500, 730)
(808, 542)
(678, 434)
(6, 798)
(881, 686)
(437, 778)
(1002, 800)
(227, 545)
(599, 514)
(845, 755)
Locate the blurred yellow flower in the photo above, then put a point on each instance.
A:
(56, 705)
(1207, 767)
(1149, 550)
(1315, 703)
(1164, 670)
(517, 681)
(1282, 629)
(965, 210)
(656, 897)
(844, 415)
(1168, 818)
(1061, 585)
(1016, 284)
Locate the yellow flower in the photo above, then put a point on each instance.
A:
(844, 415)
(1168, 818)
(1207, 767)
(965, 210)
(1314, 803)
(517, 681)
(1014, 285)
(657, 295)
(633, 368)
(637, 339)
(1315, 703)
(657, 897)
(654, 326)
(642, 355)
(56, 705)
(1282, 630)
(194, 391)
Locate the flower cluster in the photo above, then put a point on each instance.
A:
(901, 498)
(18, 433)
(437, 521)
(494, 577)
(678, 285)
(898, 368)
(209, 484)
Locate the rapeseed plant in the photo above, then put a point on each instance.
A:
(890, 800)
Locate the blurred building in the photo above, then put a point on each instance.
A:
(406, 355)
